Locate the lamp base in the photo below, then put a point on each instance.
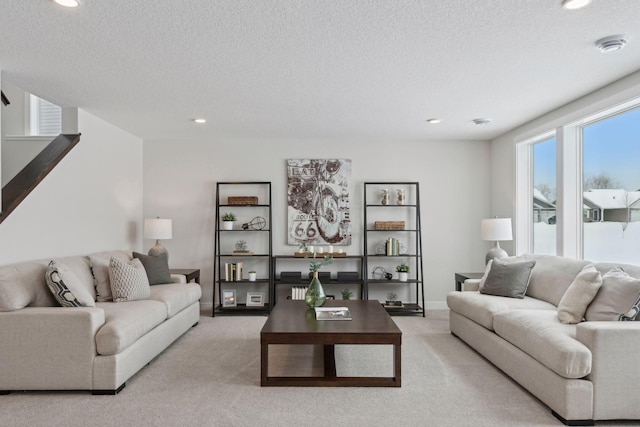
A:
(158, 250)
(495, 252)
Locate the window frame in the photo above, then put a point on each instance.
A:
(569, 177)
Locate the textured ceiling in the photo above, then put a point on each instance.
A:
(346, 69)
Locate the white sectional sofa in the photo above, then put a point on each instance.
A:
(584, 372)
(48, 347)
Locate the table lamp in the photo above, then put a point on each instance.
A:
(496, 229)
(157, 228)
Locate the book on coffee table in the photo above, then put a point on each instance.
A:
(333, 313)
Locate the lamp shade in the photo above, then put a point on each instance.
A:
(496, 229)
(157, 228)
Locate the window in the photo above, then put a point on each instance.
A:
(45, 118)
(611, 188)
(578, 188)
(544, 196)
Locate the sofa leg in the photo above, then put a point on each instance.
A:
(108, 392)
(195, 324)
(573, 422)
(3, 392)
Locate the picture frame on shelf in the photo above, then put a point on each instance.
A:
(255, 299)
(229, 298)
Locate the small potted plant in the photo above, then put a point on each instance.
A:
(403, 271)
(227, 221)
(346, 294)
(252, 276)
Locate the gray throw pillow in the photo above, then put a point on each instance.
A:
(617, 299)
(157, 267)
(508, 279)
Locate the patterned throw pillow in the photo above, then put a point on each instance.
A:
(66, 287)
(129, 280)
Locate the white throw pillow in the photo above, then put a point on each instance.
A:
(617, 299)
(129, 280)
(579, 295)
(100, 269)
(66, 286)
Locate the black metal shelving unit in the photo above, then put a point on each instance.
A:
(223, 251)
(304, 281)
(375, 210)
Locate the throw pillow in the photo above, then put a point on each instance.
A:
(157, 267)
(618, 298)
(100, 268)
(508, 279)
(579, 295)
(484, 276)
(128, 279)
(66, 287)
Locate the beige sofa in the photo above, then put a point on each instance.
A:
(48, 347)
(583, 372)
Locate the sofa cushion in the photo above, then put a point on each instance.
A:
(128, 280)
(126, 323)
(157, 267)
(176, 296)
(14, 294)
(66, 287)
(617, 299)
(552, 276)
(540, 334)
(481, 308)
(508, 279)
(100, 267)
(579, 295)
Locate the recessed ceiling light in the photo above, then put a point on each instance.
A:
(611, 43)
(482, 121)
(68, 3)
(200, 120)
(574, 4)
(433, 121)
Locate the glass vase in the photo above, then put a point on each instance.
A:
(315, 296)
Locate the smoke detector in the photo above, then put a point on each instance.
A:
(482, 121)
(611, 43)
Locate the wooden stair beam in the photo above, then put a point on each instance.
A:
(35, 171)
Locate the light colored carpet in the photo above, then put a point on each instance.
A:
(211, 377)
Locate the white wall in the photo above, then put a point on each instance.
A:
(503, 171)
(91, 201)
(180, 178)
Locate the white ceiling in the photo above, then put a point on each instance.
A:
(345, 69)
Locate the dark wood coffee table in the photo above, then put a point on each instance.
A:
(292, 322)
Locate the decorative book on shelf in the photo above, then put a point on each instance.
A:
(320, 255)
(245, 253)
(233, 271)
(333, 313)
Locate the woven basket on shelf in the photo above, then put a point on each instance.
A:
(389, 225)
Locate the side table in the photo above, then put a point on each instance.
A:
(189, 273)
(461, 277)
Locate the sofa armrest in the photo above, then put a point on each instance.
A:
(48, 348)
(178, 278)
(471, 285)
(615, 352)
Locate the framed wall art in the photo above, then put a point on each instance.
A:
(318, 200)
